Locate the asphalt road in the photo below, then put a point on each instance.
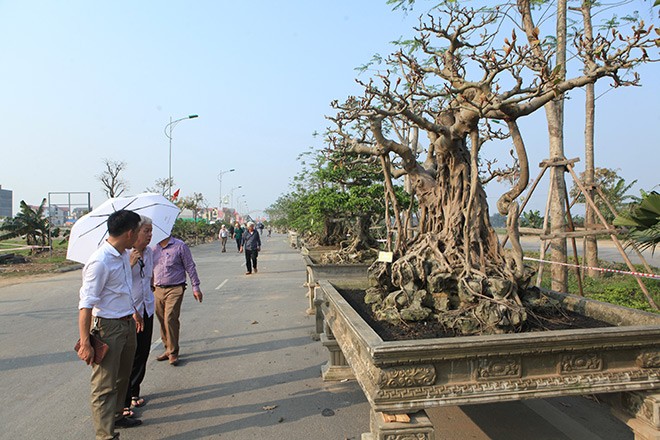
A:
(607, 250)
(249, 369)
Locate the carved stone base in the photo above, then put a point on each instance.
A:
(318, 307)
(419, 428)
(311, 310)
(336, 368)
(639, 410)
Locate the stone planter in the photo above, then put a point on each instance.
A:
(331, 272)
(405, 377)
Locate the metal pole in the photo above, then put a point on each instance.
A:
(169, 176)
(168, 132)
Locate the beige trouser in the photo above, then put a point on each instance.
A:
(168, 309)
(110, 378)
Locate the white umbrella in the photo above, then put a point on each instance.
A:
(90, 230)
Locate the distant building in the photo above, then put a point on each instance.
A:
(59, 215)
(6, 202)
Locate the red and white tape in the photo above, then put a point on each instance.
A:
(625, 272)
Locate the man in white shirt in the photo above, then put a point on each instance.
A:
(105, 300)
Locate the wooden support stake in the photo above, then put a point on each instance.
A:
(539, 274)
(571, 225)
(529, 194)
(616, 241)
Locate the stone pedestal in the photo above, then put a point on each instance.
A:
(311, 286)
(640, 410)
(419, 428)
(336, 368)
(318, 309)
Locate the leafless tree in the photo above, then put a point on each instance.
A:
(113, 184)
(161, 186)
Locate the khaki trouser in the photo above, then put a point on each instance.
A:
(168, 309)
(110, 377)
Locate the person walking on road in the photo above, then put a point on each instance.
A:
(142, 266)
(251, 244)
(238, 236)
(172, 260)
(107, 308)
(223, 235)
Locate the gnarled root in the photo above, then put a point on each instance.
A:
(428, 283)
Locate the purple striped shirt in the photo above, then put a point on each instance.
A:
(172, 262)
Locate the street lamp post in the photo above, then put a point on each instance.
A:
(231, 196)
(168, 132)
(220, 191)
(238, 202)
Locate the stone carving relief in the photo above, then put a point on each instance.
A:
(583, 362)
(498, 368)
(412, 376)
(495, 387)
(649, 360)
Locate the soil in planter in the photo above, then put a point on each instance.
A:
(540, 319)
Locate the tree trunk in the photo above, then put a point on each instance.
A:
(591, 243)
(454, 269)
(555, 117)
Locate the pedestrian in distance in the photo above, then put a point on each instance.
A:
(107, 309)
(223, 235)
(172, 261)
(251, 245)
(238, 236)
(142, 268)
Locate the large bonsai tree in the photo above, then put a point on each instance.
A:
(463, 86)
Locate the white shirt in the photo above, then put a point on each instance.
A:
(106, 286)
(142, 294)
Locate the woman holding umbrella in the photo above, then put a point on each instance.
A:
(142, 265)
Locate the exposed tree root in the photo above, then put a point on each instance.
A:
(431, 283)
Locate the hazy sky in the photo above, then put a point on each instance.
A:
(87, 80)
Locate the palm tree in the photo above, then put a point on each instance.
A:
(29, 223)
(643, 221)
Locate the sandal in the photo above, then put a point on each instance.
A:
(127, 413)
(137, 402)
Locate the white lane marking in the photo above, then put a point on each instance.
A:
(155, 344)
(221, 284)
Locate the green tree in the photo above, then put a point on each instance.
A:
(614, 188)
(531, 219)
(30, 224)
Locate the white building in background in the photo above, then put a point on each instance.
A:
(6, 202)
(59, 215)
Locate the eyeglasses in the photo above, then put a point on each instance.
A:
(141, 263)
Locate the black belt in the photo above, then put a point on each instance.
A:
(123, 318)
(167, 286)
